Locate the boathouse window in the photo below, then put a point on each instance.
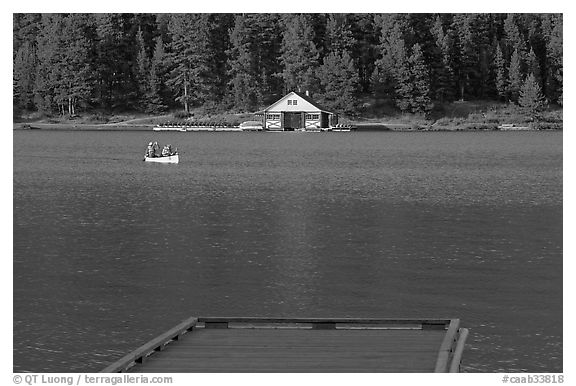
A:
(312, 116)
(293, 102)
(289, 102)
(273, 116)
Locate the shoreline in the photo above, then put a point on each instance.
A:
(81, 126)
(375, 126)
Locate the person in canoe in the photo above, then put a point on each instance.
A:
(167, 151)
(152, 150)
(149, 150)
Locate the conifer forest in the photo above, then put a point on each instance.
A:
(69, 64)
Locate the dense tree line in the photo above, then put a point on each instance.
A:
(71, 63)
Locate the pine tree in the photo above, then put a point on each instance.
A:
(25, 31)
(339, 79)
(117, 85)
(339, 36)
(464, 54)
(78, 77)
(198, 58)
(481, 82)
(391, 72)
(66, 49)
(155, 96)
(514, 77)
(219, 44)
(49, 47)
(531, 99)
(403, 86)
(299, 54)
(552, 26)
(26, 27)
(533, 65)
(514, 39)
(267, 43)
(500, 71)
(420, 79)
(364, 51)
(186, 57)
(251, 63)
(338, 74)
(442, 68)
(241, 66)
(142, 69)
(24, 75)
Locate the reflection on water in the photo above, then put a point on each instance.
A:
(110, 251)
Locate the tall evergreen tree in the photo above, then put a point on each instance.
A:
(48, 55)
(391, 72)
(65, 77)
(364, 52)
(187, 57)
(197, 58)
(25, 29)
(299, 54)
(242, 66)
(482, 83)
(142, 69)
(81, 43)
(514, 77)
(533, 66)
(403, 86)
(500, 72)
(552, 26)
(117, 85)
(531, 99)
(219, 44)
(156, 93)
(24, 75)
(339, 79)
(266, 48)
(339, 37)
(443, 73)
(464, 54)
(251, 63)
(513, 38)
(420, 79)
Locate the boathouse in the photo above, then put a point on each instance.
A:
(296, 111)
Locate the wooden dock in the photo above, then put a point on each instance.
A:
(233, 345)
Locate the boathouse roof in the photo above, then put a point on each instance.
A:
(305, 104)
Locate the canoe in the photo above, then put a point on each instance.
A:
(512, 126)
(168, 128)
(171, 159)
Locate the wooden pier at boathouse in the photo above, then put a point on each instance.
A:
(299, 345)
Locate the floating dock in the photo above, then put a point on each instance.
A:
(266, 345)
(195, 128)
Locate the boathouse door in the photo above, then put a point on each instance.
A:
(292, 121)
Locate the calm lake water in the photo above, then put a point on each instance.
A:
(110, 251)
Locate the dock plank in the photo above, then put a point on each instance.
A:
(415, 362)
(288, 350)
(245, 344)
